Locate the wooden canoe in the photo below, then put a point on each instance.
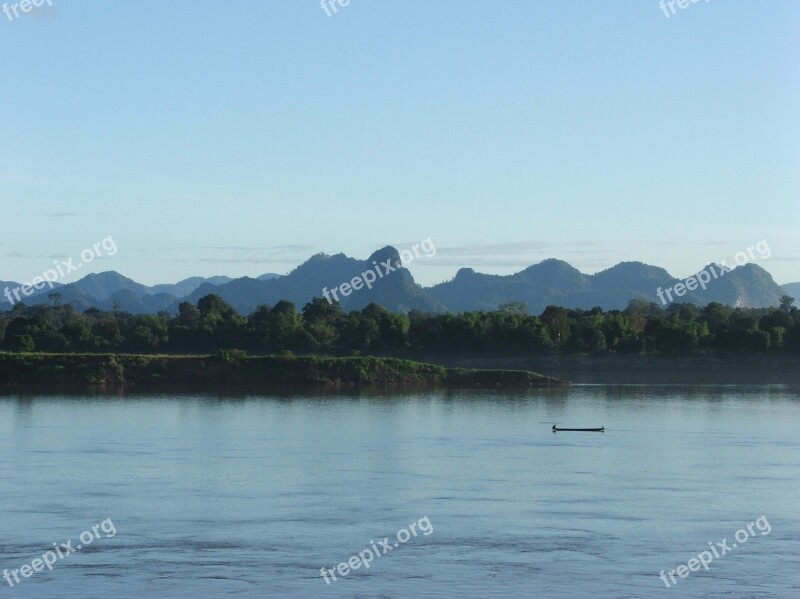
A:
(602, 429)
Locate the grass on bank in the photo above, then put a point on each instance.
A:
(235, 366)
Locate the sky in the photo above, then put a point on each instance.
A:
(242, 137)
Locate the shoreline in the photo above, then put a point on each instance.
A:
(430, 371)
(649, 369)
(233, 369)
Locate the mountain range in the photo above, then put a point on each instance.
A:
(551, 282)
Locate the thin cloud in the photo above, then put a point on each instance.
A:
(240, 261)
(579, 264)
(516, 248)
(490, 262)
(520, 254)
(274, 249)
(475, 262)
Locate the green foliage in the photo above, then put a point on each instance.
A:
(232, 356)
(214, 327)
(24, 343)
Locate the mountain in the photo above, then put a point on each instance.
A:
(128, 300)
(396, 290)
(631, 278)
(111, 290)
(747, 286)
(554, 282)
(551, 282)
(37, 295)
(185, 287)
(105, 284)
(9, 286)
(68, 294)
(793, 289)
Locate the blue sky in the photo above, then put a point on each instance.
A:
(241, 137)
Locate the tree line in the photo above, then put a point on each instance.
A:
(321, 328)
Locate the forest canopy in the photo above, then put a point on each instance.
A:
(213, 325)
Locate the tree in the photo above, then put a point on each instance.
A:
(188, 315)
(278, 328)
(322, 322)
(557, 323)
(24, 343)
(220, 323)
(78, 332)
(786, 302)
(518, 308)
(717, 316)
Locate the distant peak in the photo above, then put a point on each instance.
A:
(384, 254)
(107, 274)
(551, 265)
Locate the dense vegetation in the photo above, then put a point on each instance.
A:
(234, 367)
(213, 325)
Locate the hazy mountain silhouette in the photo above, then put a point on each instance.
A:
(396, 291)
(102, 286)
(792, 289)
(551, 282)
(554, 282)
(546, 283)
(185, 287)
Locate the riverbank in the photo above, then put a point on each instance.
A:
(642, 370)
(234, 369)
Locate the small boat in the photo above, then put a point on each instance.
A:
(602, 429)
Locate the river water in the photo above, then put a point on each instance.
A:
(209, 495)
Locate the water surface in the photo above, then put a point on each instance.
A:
(249, 496)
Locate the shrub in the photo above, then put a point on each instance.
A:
(24, 343)
(232, 356)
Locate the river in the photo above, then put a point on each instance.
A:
(240, 495)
